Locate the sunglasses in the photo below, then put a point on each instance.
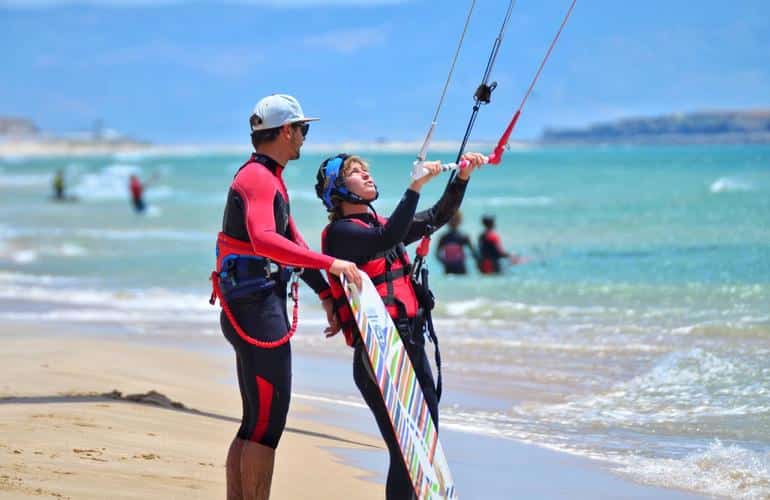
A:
(303, 127)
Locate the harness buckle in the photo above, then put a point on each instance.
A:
(271, 268)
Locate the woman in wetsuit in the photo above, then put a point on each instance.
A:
(377, 246)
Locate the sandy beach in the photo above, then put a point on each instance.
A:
(86, 417)
(61, 437)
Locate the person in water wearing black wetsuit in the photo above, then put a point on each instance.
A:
(451, 247)
(377, 246)
(491, 249)
(259, 250)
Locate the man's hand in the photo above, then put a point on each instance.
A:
(331, 317)
(348, 269)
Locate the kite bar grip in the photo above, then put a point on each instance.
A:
(419, 171)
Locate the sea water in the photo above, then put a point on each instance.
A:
(637, 332)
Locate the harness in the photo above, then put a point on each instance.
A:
(406, 297)
(241, 273)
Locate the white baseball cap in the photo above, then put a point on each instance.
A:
(275, 111)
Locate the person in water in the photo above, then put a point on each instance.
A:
(377, 246)
(259, 251)
(451, 247)
(491, 248)
(58, 186)
(137, 193)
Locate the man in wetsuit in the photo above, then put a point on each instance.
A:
(258, 244)
(451, 247)
(491, 248)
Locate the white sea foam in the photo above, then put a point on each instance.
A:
(25, 256)
(720, 470)
(502, 309)
(10, 233)
(724, 471)
(40, 289)
(730, 185)
(111, 183)
(681, 388)
(37, 279)
(125, 318)
(21, 254)
(535, 344)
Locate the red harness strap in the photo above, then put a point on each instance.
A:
(216, 293)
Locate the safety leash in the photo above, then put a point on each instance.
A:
(216, 293)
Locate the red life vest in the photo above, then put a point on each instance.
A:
(136, 188)
(392, 280)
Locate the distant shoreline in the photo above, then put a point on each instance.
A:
(86, 148)
(21, 137)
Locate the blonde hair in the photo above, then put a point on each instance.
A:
(347, 166)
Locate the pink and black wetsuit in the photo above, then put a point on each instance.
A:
(257, 212)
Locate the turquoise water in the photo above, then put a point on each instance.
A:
(638, 332)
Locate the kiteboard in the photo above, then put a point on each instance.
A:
(417, 435)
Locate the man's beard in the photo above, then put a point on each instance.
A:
(296, 154)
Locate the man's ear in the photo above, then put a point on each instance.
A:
(288, 130)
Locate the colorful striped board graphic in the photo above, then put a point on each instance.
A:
(403, 397)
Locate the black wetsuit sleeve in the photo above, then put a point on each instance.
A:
(428, 221)
(354, 242)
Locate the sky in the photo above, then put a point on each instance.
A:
(190, 72)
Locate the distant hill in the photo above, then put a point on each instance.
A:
(705, 127)
(21, 136)
(17, 127)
